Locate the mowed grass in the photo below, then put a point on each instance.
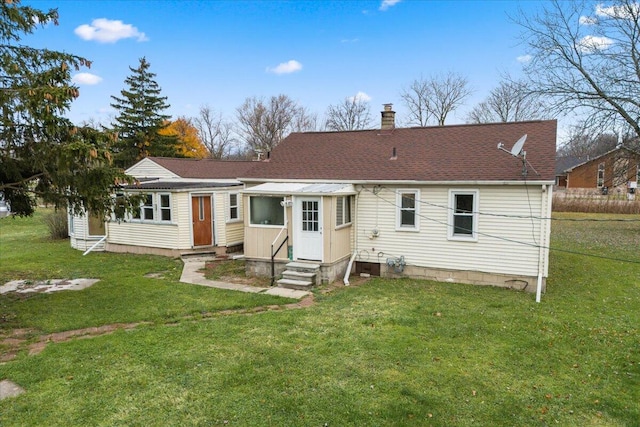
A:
(387, 352)
(123, 295)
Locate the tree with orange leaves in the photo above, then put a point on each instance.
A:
(189, 144)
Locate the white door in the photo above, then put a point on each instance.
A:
(308, 228)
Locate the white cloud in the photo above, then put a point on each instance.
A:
(359, 97)
(350, 40)
(524, 59)
(590, 44)
(588, 20)
(386, 4)
(105, 30)
(86, 79)
(286, 67)
(618, 11)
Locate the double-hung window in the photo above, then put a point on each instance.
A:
(463, 217)
(165, 207)
(234, 209)
(600, 182)
(145, 212)
(154, 207)
(343, 210)
(408, 210)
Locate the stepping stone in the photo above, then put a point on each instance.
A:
(9, 389)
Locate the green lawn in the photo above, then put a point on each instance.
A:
(123, 294)
(400, 352)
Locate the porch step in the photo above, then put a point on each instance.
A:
(301, 285)
(303, 266)
(298, 275)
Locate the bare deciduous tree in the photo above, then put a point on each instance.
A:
(432, 99)
(215, 132)
(353, 113)
(263, 124)
(511, 101)
(582, 144)
(585, 57)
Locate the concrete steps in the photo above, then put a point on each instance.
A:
(299, 275)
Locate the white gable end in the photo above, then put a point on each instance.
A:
(147, 168)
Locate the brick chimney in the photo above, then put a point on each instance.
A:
(388, 117)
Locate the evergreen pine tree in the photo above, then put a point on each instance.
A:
(140, 118)
(43, 156)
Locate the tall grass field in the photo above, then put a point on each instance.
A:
(380, 353)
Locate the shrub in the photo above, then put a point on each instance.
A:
(57, 223)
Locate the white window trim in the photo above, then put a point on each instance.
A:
(237, 206)
(160, 208)
(598, 183)
(452, 208)
(347, 199)
(265, 225)
(399, 193)
(71, 226)
(156, 198)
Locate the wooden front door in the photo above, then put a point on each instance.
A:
(201, 220)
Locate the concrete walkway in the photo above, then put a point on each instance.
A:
(191, 274)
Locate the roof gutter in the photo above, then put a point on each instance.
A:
(402, 182)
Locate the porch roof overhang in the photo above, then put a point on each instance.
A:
(178, 185)
(301, 189)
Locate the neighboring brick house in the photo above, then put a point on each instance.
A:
(563, 163)
(617, 168)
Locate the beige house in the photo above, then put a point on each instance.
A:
(189, 206)
(440, 203)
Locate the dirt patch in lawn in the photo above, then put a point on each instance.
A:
(232, 271)
(14, 341)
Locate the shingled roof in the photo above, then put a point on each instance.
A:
(428, 154)
(204, 168)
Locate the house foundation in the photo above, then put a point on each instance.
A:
(174, 253)
(522, 283)
(328, 272)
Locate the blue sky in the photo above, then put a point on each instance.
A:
(317, 52)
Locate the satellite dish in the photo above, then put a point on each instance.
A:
(517, 147)
(516, 151)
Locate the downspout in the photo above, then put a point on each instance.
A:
(348, 272)
(95, 245)
(543, 241)
(355, 238)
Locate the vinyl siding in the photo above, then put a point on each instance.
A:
(147, 168)
(337, 243)
(174, 235)
(226, 233)
(257, 239)
(219, 218)
(80, 238)
(495, 250)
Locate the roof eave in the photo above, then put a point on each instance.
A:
(408, 182)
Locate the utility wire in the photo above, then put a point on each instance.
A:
(531, 216)
(506, 239)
